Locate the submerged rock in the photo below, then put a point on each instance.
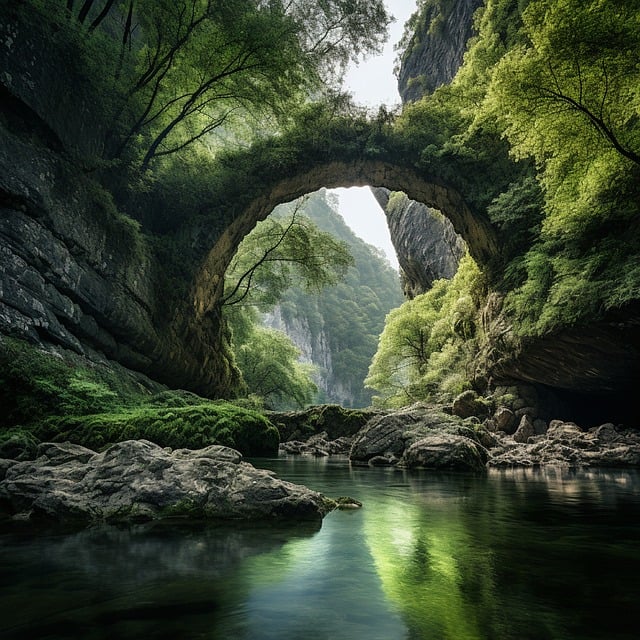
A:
(137, 480)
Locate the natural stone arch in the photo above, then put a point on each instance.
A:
(474, 228)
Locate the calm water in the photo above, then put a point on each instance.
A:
(510, 555)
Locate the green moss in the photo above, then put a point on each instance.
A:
(332, 418)
(192, 427)
(18, 444)
(48, 396)
(35, 384)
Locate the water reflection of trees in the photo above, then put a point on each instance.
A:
(508, 556)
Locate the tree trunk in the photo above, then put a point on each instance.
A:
(86, 7)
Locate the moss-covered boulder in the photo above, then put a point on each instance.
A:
(333, 419)
(193, 426)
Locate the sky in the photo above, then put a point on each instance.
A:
(372, 83)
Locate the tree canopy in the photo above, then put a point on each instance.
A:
(429, 344)
(178, 70)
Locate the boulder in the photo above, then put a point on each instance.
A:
(505, 420)
(420, 437)
(469, 404)
(445, 451)
(525, 430)
(137, 480)
(540, 426)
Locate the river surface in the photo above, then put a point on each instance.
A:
(510, 555)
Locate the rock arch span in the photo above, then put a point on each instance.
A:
(473, 227)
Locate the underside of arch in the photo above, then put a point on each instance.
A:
(473, 227)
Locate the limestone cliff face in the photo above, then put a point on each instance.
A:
(426, 243)
(73, 271)
(435, 50)
(314, 349)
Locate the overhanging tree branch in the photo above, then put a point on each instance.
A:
(249, 273)
(598, 122)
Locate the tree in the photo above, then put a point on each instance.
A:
(281, 252)
(284, 250)
(270, 368)
(572, 90)
(195, 66)
(568, 97)
(429, 344)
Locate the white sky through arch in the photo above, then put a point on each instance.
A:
(372, 83)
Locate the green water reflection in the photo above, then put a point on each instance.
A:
(509, 555)
(432, 566)
(519, 554)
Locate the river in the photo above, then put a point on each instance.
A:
(507, 555)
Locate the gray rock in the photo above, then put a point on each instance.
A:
(445, 451)
(468, 404)
(427, 245)
(318, 445)
(505, 420)
(5, 465)
(446, 442)
(137, 480)
(435, 52)
(531, 412)
(525, 430)
(566, 445)
(383, 461)
(486, 438)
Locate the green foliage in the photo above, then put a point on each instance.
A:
(554, 85)
(568, 99)
(350, 314)
(17, 443)
(172, 73)
(270, 368)
(281, 253)
(429, 344)
(35, 384)
(48, 396)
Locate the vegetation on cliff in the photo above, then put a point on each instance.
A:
(539, 132)
(176, 71)
(430, 345)
(540, 129)
(556, 81)
(350, 314)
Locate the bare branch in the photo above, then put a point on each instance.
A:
(101, 16)
(249, 273)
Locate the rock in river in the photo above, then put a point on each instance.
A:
(138, 481)
(419, 437)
